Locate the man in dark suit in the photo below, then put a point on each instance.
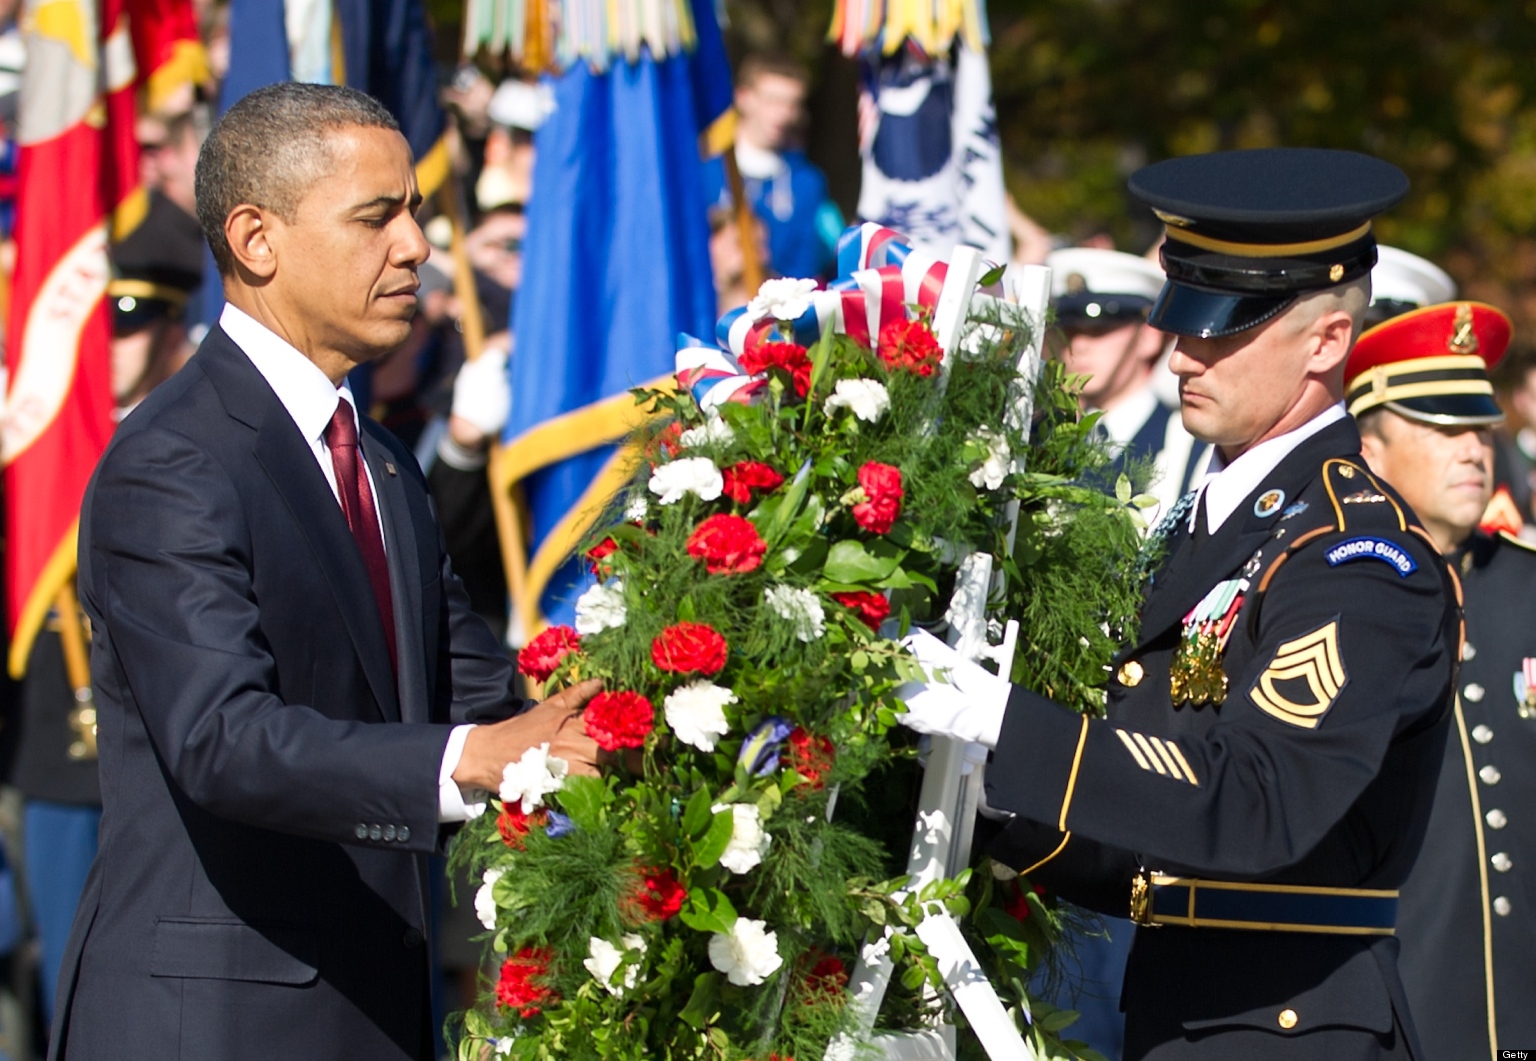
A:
(1260, 784)
(281, 648)
(1468, 919)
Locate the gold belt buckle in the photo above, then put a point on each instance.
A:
(1141, 899)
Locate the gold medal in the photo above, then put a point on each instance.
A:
(1196, 675)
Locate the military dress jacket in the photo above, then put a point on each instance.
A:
(1468, 917)
(1317, 768)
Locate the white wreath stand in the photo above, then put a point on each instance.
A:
(952, 787)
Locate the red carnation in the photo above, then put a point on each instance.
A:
(514, 826)
(882, 497)
(909, 346)
(869, 606)
(829, 976)
(519, 987)
(1017, 906)
(540, 657)
(689, 648)
(601, 551)
(728, 545)
(744, 477)
(658, 896)
(619, 720)
(791, 358)
(810, 756)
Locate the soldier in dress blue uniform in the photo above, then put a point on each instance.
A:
(1101, 299)
(1262, 780)
(1418, 387)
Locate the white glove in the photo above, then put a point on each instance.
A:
(961, 699)
(482, 394)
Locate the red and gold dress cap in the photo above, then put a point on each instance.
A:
(1430, 364)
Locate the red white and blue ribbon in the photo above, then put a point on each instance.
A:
(882, 278)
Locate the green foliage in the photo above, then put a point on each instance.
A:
(811, 750)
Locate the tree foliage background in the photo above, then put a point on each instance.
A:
(1088, 90)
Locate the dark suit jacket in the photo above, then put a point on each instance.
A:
(270, 788)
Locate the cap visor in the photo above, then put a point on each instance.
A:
(1204, 314)
(1449, 409)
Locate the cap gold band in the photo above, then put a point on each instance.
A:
(1267, 250)
(1425, 377)
(145, 289)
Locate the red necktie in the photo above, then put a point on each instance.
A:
(362, 515)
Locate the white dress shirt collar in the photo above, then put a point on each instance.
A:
(1121, 423)
(1226, 485)
(307, 393)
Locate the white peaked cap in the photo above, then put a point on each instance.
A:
(1403, 277)
(1102, 272)
(521, 105)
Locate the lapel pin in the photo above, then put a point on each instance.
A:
(390, 468)
(1269, 503)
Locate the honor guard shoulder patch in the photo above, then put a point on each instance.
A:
(1366, 547)
(1304, 679)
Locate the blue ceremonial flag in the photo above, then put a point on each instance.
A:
(616, 264)
(386, 51)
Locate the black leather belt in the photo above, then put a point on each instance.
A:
(1161, 900)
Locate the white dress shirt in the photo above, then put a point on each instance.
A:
(1226, 485)
(311, 399)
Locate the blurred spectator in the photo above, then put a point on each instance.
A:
(515, 110)
(784, 188)
(726, 260)
(168, 148)
(1514, 441)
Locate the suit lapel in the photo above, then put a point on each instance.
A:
(291, 466)
(401, 547)
(1193, 567)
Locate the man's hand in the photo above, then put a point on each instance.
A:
(961, 699)
(556, 721)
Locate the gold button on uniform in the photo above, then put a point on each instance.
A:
(1288, 1019)
(1131, 674)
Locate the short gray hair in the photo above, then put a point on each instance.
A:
(270, 148)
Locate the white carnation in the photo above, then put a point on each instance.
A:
(601, 608)
(801, 607)
(749, 840)
(784, 299)
(692, 475)
(606, 958)
(715, 432)
(696, 713)
(637, 510)
(994, 468)
(865, 398)
(532, 777)
(748, 954)
(485, 901)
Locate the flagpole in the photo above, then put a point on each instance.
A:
(77, 664)
(746, 223)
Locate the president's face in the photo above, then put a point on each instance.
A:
(348, 259)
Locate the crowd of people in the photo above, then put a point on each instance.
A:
(1457, 442)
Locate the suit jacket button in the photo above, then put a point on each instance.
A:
(413, 937)
(374, 832)
(1502, 907)
(1490, 774)
(403, 833)
(1131, 673)
(389, 832)
(1502, 862)
(1467, 651)
(362, 831)
(1473, 693)
(1496, 819)
(1482, 734)
(1288, 1019)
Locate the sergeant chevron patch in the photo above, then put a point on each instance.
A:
(1158, 755)
(1303, 680)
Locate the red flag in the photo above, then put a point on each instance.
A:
(169, 55)
(78, 177)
